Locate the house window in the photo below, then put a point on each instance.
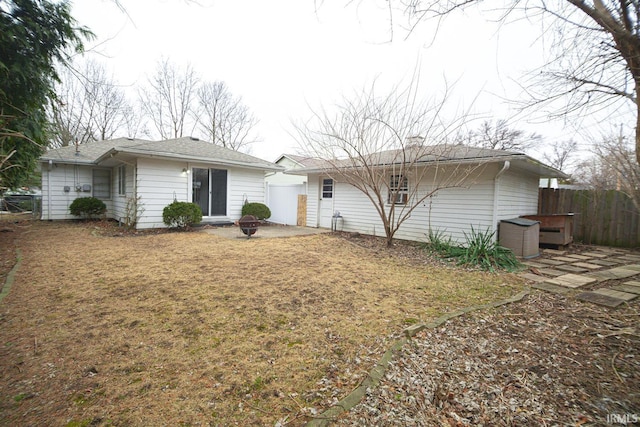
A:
(327, 188)
(398, 188)
(102, 184)
(122, 180)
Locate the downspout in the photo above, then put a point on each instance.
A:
(49, 189)
(496, 192)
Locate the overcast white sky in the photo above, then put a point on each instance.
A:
(284, 55)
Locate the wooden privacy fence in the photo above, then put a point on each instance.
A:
(606, 218)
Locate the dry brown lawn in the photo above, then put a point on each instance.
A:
(194, 329)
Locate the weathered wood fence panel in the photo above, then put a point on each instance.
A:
(606, 218)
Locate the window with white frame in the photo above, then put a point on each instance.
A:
(327, 188)
(102, 184)
(122, 180)
(398, 190)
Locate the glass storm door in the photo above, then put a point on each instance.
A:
(209, 191)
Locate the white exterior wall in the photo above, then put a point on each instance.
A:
(451, 211)
(55, 201)
(313, 198)
(517, 195)
(158, 181)
(120, 201)
(243, 184)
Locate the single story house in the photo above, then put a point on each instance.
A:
(124, 171)
(454, 188)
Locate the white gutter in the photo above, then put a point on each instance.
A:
(496, 192)
(190, 158)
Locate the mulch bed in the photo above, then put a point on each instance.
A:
(548, 360)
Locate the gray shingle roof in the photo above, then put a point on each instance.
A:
(88, 152)
(186, 148)
(304, 161)
(435, 154)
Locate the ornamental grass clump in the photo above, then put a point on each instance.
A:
(438, 242)
(481, 250)
(181, 214)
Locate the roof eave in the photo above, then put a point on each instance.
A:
(304, 171)
(45, 159)
(172, 156)
(546, 171)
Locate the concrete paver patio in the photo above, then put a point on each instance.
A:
(567, 273)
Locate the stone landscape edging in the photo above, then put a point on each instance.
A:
(376, 374)
(4, 291)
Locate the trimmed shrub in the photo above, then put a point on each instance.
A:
(88, 207)
(259, 210)
(181, 214)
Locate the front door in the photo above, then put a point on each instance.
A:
(209, 191)
(325, 206)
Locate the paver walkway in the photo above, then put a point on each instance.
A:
(596, 275)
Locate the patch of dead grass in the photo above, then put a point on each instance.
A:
(193, 329)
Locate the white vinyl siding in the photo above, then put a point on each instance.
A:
(517, 195)
(243, 184)
(55, 201)
(313, 197)
(120, 203)
(158, 183)
(453, 211)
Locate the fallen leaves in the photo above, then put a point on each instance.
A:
(527, 363)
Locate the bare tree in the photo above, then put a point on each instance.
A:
(168, 101)
(613, 167)
(71, 111)
(112, 109)
(595, 62)
(224, 118)
(89, 106)
(562, 154)
(499, 136)
(391, 148)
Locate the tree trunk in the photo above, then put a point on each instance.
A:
(389, 233)
(638, 120)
